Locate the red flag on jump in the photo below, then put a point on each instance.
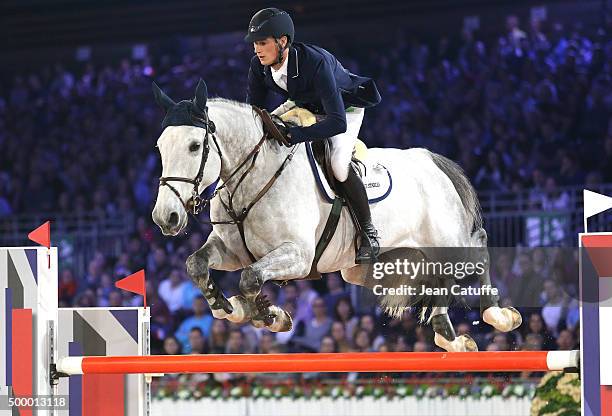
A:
(42, 235)
(134, 283)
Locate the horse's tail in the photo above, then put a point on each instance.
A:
(464, 188)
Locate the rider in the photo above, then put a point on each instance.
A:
(312, 78)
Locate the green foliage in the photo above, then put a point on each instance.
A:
(558, 394)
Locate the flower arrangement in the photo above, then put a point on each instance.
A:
(558, 394)
(316, 389)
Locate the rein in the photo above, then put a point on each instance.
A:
(196, 203)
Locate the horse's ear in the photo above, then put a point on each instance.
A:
(201, 95)
(161, 98)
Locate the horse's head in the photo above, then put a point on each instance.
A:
(190, 158)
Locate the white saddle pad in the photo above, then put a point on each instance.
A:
(376, 180)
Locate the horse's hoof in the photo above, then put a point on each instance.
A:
(240, 311)
(503, 319)
(219, 314)
(468, 343)
(284, 325)
(514, 316)
(463, 343)
(258, 324)
(282, 321)
(269, 319)
(276, 320)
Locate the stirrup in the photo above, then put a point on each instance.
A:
(368, 250)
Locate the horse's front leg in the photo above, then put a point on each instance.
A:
(286, 262)
(214, 254)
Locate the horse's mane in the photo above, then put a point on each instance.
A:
(227, 104)
(244, 109)
(220, 100)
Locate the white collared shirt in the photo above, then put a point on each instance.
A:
(280, 76)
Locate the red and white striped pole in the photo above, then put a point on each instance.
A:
(490, 361)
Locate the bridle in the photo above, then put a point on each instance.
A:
(196, 203)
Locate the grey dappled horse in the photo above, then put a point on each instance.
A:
(432, 205)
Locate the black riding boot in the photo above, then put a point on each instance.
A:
(355, 195)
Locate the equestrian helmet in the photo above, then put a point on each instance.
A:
(270, 22)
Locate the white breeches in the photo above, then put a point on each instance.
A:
(342, 144)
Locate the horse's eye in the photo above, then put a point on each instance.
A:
(194, 147)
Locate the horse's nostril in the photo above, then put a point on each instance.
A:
(173, 219)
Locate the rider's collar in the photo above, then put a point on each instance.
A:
(283, 69)
(293, 70)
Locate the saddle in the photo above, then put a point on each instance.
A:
(375, 176)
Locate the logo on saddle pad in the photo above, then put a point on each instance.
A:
(372, 185)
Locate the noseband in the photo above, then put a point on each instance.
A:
(195, 204)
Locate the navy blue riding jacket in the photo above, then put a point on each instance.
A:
(317, 81)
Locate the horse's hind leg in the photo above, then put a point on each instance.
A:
(445, 336)
(502, 319)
